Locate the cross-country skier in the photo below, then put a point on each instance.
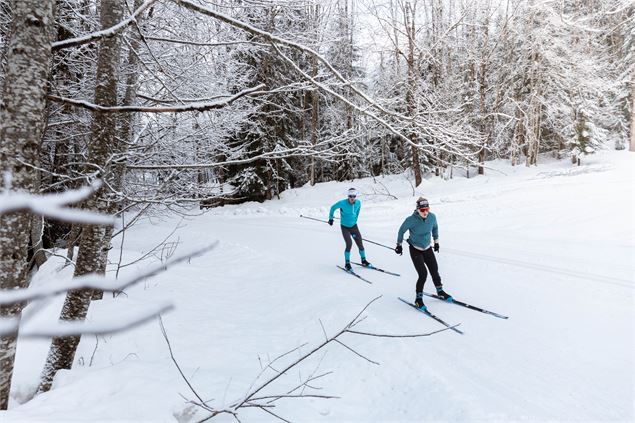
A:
(421, 225)
(349, 212)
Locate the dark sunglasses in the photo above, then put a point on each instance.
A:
(352, 196)
(424, 209)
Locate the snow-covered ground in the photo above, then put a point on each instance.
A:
(553, 247)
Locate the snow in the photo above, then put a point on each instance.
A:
(551, 246)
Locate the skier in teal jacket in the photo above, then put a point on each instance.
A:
(422, 224)
(349, 212)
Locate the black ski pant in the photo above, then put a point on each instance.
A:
(421, 259)
(353, 233)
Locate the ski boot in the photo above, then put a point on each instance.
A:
(441, 293)
(419, 302)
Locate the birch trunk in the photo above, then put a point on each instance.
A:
(632, 146)
(21, 126)
(92, 244)
(118, 170)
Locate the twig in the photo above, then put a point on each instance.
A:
(250, 400)
(153, 249)
(355, 352)
(167, 341)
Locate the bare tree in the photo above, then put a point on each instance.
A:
(102, 152)
(409, 10)
(632, 144)
(21, 127)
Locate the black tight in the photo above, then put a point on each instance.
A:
(421, 259)
(353, 232)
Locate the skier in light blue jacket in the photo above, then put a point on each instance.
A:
(349, 212)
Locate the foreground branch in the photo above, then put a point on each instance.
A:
(253, 400)
(94, 281)
(114, 325)
(54, 205)
(193, 107)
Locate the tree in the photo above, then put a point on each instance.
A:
(103, 149)
(28, 57)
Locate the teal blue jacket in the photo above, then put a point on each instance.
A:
(420, 230)
(348, 212)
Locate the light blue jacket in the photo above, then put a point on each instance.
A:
(348, 212)
(420, 230)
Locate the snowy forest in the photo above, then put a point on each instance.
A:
(113, 112)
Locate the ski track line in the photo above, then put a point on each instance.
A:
(624, 283)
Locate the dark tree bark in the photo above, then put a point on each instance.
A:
(93, 243)
(22, 106)
(632, 144)
(411, 87)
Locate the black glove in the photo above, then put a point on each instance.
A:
(436, 247)
(331, 222)
(399, 249)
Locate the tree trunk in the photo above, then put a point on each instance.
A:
(73, 239)
(37, 231)
(5, 25)
(518, 138)
(632, 146)
(314, 119)
(21, 126)
(92, 244)
(411, 89)
(482, 89)
(118, 170)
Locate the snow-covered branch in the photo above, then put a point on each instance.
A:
(115, 324)
(96, 282)
(54, 205)
(104, 33)
(192, 107)
(204, 44)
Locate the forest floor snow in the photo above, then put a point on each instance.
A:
(552, 246)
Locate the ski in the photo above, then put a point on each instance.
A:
(427, 313)
(471, 307)
(377, 268)
(350, 272)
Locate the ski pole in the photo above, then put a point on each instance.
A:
(367, 240)
(377, 243)
(313, 218)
